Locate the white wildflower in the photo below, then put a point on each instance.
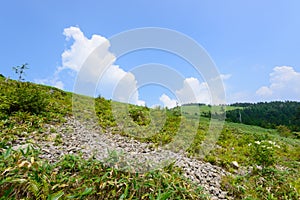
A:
(271, 142)
(257, 142)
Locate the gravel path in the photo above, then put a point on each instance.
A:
(73, 137)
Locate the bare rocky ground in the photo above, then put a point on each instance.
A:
(74, 137)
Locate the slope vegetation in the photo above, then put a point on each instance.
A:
(263, 163)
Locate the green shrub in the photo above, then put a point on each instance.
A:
(284, 131)
(263, 152)
(4, 106)
(21, 96)
(27, 98)
(140, 115)
(104, 113)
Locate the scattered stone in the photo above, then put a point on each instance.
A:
(46, 150)
(21, 146)
(258, 167)
(126, 152)
(235, 164)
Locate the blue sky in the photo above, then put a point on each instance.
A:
(255, 45)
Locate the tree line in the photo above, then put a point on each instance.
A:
(267, 114)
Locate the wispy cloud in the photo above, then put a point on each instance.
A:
(53, 81)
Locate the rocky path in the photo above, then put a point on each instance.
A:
(73, 137)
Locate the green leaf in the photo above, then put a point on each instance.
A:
(125, 194)
(165, 196)
(7, 153)
(56, 195)
(87, 191)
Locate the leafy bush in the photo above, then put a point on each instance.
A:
(284, 131)
(140, 115)
(21, 96)
(27, 98)
(263, 152)
(104, 112)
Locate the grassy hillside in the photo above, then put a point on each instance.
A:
(269, 163)
(24, 175)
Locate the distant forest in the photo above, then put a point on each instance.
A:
(267, 114)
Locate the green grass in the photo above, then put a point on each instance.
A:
(195, 109)
(24, 175)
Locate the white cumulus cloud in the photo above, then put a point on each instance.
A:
(194, 91)
(167, 101)
(74, 57)
(92, 62)
(284, 85)
(119, 85)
